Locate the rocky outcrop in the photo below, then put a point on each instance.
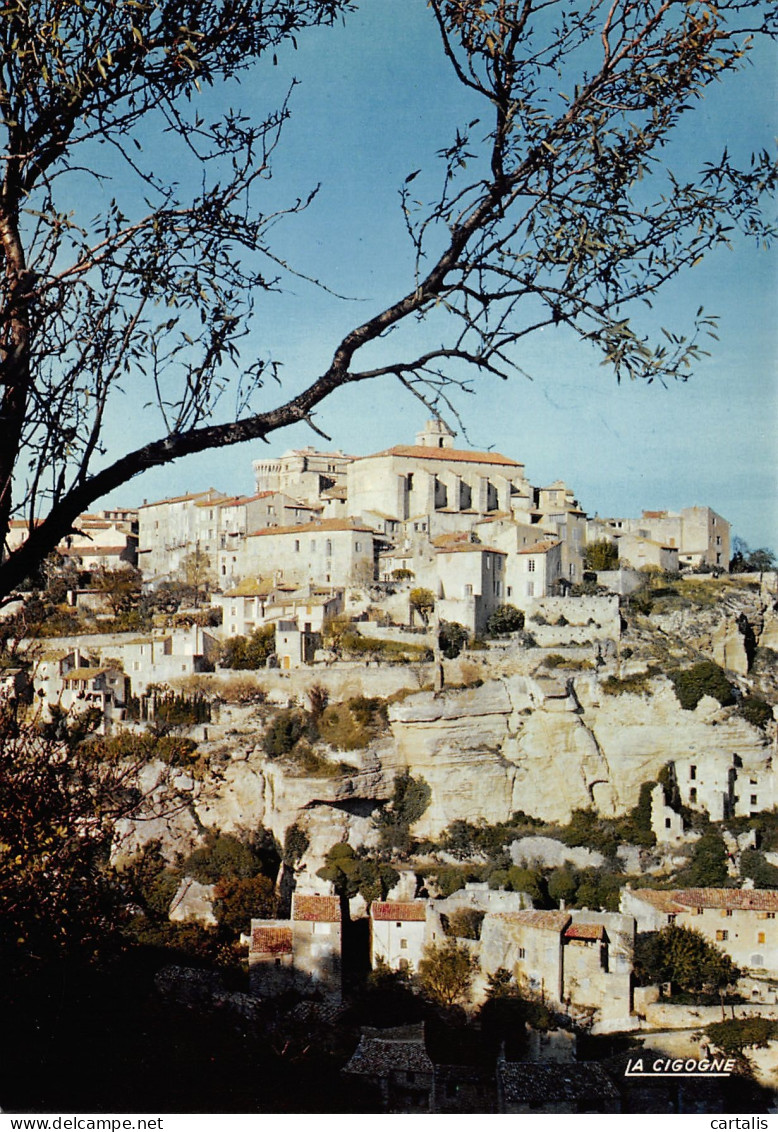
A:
(548, 747)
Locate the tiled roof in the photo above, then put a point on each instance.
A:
(83, 673)
(537, 1084)
(92, 551)
(469, 548)
(585, 931)
(381, 1052)
(536, 918)
(322, 525)
(452, 538)
(215, 495)
(455, 455)
(271, 940)
(405, 910)
(680, 899)
(323, 909)
(235, 500)
(540, 547)
(761, 899)
(664, 901)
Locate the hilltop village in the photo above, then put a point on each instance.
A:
(417, 732)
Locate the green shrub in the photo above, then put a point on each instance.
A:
(702, 679)
(753, 864)
(756, 711)
(601, 555)
(637, 683)
(249, 653)
(452, 638)
(464, 923)
(505, 619)
(410, 799)
(733, 1035)
(684, 958)
(354, 872)
(707, 867)
(224, 855)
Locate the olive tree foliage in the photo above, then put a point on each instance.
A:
(555, 206)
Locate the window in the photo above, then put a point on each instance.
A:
(313, 544)
(522, 953)
(722, 936)
(760, 937)
(753, 799)
(700, 911)
(693, 794)
(328, 547)
(468, 591)
(668, 823)
(404, 944)
(530, 589)
(488, 562)
(728, 912)
(398, 924)
(531, 565)
(671, 918)
(297, 544)
(358, 547)
(770, 916)
(692, 772)
(509, 591)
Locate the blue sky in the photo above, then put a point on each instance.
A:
(376, 100)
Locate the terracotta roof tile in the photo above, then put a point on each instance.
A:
(271, 940)
(540, 547)
(760, 899)
(470, 548)
(536, 918)
(455, 455)
(322, 525)
(322, 909)
(400, 910)
(585, 931)
(680, 899)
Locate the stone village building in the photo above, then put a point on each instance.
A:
(302, 953)
(572, 959)
(344, 521)
(742, 922)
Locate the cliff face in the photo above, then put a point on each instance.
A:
(521, 740)
(546, 747)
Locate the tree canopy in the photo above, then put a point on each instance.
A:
(556, 206)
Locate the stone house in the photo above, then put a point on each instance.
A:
(237, 516)
(95, 687)
(639, 552)
(302, 953)
(169, 530)
(581, 960)
(171, 655)
(471, 583)
(398, 933)
(295, 645)
(396, 1064)
(742, 922)
(333, 552)
(700, 535)
(303, 473)
(733, 786)
(524, 1087)
(560, 516)
(99, 541)
(432, 476)
(252, 604)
